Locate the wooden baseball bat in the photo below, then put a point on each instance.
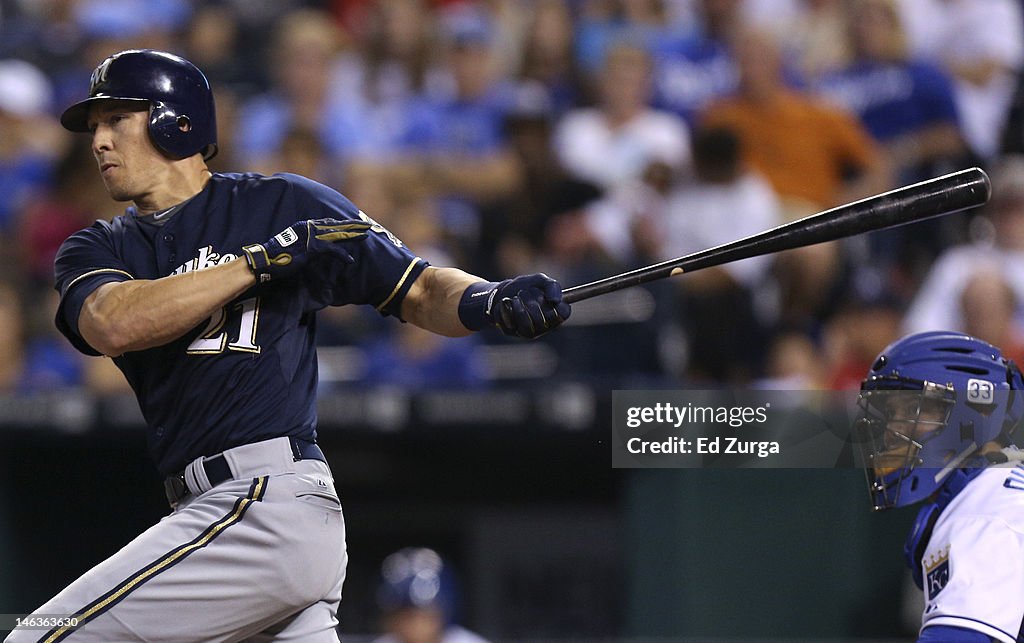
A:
(932, 198)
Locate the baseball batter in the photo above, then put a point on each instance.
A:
(204, 293)
(941, 411)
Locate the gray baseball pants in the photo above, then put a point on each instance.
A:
(260, 557)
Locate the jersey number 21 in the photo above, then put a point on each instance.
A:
(214, 338)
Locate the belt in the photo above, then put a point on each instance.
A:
(218, 470)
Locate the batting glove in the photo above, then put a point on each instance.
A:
(291, 249)
(527, 306)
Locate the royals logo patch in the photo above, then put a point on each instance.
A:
(936, 573)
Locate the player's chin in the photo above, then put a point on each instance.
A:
(117, 190)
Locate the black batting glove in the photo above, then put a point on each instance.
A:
(527, 306)
(295, 246)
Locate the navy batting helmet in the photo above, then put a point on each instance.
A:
(182, 120)
(930, 403)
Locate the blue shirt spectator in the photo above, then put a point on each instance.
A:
(892, 98)
(30, 143)
(417, 361)
(907, 104)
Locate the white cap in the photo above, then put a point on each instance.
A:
(24, 89)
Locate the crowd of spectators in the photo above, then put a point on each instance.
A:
(575, 137)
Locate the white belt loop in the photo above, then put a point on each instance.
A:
(258, 458)
(195, 477)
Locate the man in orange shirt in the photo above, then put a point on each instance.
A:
(814, 155)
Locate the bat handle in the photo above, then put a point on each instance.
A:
(584, 291)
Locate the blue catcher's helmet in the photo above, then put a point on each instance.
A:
(182, 119)
(417, 577)
(929, 404)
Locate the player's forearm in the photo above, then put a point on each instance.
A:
(432, 302)
(140, 314)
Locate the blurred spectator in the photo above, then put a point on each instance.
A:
(602, 230)
(468, 154)
(514, 229)
(382, 85)
(75, 201)
(547, 55)
(989, 307)
(981, 44)
(813, 33)
(418, 599)
(806, 148)
(906, 104)
(50, 363)
(856, 334)
(30, 139)
(211, 41)
(465, 160)
(1012, 139)
(136, 17)
(33, 358)
(12, 339)
(449, 134)
(258, 21)
(302, 152)
(616, 141)
(415, 360)
(629, 150)
(605, 24)
(937, 304)
(43, 32)
(793, 363)
(398, 42)
(701, 68)
(305, 49)
(725, 202)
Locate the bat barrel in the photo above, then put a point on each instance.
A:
(925, 200)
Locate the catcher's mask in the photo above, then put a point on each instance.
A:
(929, 404)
